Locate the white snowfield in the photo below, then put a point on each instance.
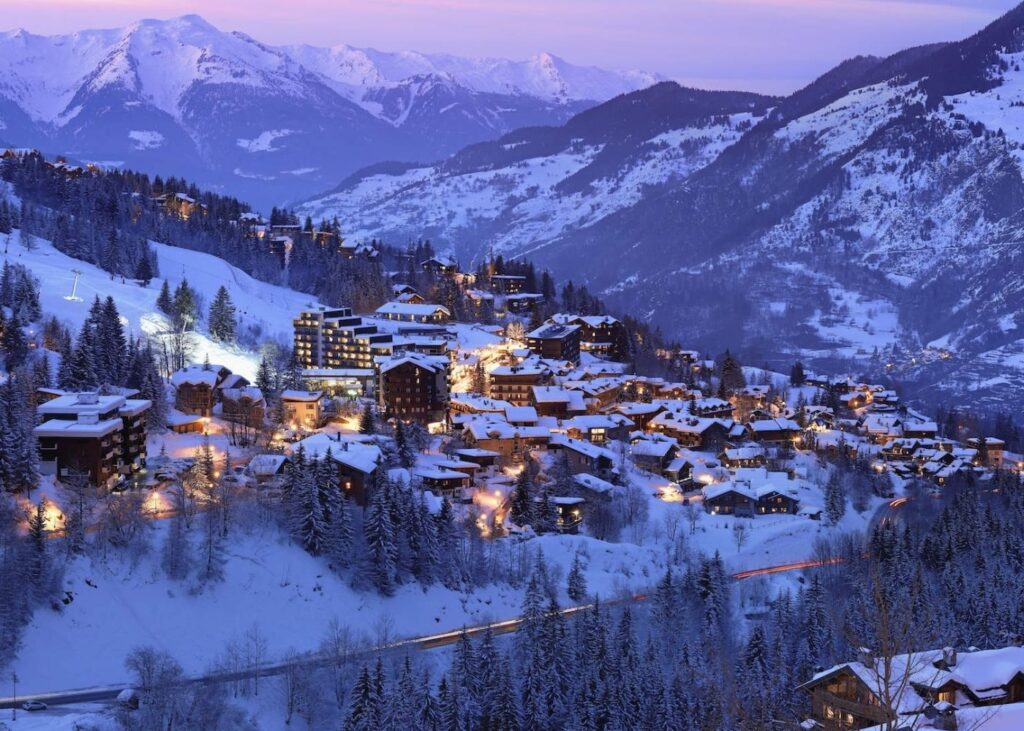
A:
(266, 306)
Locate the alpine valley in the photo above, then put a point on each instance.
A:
(266, 123)
(870, 221)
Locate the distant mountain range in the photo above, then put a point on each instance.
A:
(270, 123)
(873, 220)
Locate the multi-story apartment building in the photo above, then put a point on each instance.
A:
(101, 436)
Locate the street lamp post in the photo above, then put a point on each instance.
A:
(14, 696)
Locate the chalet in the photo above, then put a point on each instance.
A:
(265, 467)
(568, 513)
(506, 283)
(485, 458)
(243, 406)
(180, 204)
(440, 265)
(639, 413)
(775, 431)
(711, 408)
(411, 298)
(181, 423)
(407, 312)
(414, 387)
(881, 428)
(753, 491)
(729, 498)
(472, 403)
(583, 456)
(597, 428)
(303, 409)
(751, 456)
(523, 303)
(994, 447)
(356, 462)
(653, 455)
(556, 342)
(920, 429)
(692, 431)
(599, 334)
(929, 685)
(101, 436)
(749, 398)
(443, 482)
(196, 387)
(521, 415)
(557, 401)
(514, 383)
(511, 443)
(399, 289)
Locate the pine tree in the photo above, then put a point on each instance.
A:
(312, 526)
(222, 320)
(379, 533)
(797, 377)
(835, 498)
(521, 508)
(164, 302)
(545, 514)
(144, 271)
(367, 423)
(406, 454)
(577, 581)
(38, 561)
(15, 349)
(364, 712)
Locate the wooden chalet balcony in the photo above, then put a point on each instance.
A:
(866, 714)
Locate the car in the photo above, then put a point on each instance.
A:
(34, 706)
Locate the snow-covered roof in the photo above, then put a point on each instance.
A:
(358, 455)
(478, 403)
(409, 309)
(433, 364)
(594, 484)
(582, 446)
(521, 414)
(266, 465)
(295, 395)
(81, 429)
(551, 330)
(439, 473)
(481, 428)
(197, 375)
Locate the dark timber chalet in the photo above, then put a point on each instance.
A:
(414, 387)
(101, 436)
(556, 342)
(599, 334)
(513, 383)
(928, 687)
(196, 387)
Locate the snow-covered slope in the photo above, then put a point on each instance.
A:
(262, 307)
(534, 186)
(175, 95)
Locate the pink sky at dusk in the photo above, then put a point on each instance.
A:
(763, 45)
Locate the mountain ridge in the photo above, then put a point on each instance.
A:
(182, 97)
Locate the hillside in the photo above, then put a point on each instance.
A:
(867, 222)
(263, 309)
(269, 123)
